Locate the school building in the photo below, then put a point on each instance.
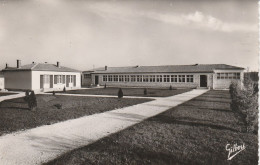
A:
(214, 76)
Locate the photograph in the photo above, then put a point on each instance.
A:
(129, 82)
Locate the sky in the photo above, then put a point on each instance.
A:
(85, 34)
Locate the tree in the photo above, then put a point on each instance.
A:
(120, 93)
(145, 91)
(32, 101)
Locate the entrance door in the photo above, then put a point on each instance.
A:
(203, 80)
(96, 80)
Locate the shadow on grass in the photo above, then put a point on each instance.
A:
(204, 108)
(17, 108)
(171, 120)
(205, 101)
(58, 144)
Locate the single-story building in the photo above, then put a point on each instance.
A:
(41, 77)
(214, 76)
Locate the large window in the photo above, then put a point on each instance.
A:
(121, 78)
(105, 78)
(159, 78)
(70, 79)
(166, 78)
(46, 79)
(133, 78)
(174, 78)
(181, 78)
(152, 78)
(110, 78)
(189, 78)
(139, 78)
(127, 78)
(87, 76)
(57, 79)
(145, 78)
(115, 78)
(228, 75)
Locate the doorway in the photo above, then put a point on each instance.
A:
(203, 81)
(96, 80)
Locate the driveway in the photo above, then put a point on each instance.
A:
(42, 144)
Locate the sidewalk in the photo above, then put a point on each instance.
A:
(42, 144)
(8, 97)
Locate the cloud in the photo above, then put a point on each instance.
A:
(196, 20)
(201, 20)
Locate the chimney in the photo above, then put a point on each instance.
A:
(105, 67)
(18, 63)
(58, 64)
(6, 65)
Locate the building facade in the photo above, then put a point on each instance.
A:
(41, 77)
(214, 76)
(2, 81)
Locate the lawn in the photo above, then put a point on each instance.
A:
(6, 93)
(15, 115)
(195, 132)
(151, 92)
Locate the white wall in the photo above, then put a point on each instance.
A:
(225, 83)
(2, 83)
(20, 80)
(36, 79)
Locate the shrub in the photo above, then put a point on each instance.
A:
(170, 87)
(59, 106)
(53, 93)
(26, 95)
(145, 91)
(233, 89)
(64, 89)
(120, 93)
(32, 101)
(244, 102)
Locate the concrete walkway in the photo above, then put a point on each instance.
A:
(8, 97)
(42, 144)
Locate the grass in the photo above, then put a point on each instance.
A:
(195, 132)
(6, 94)
(151, 92)
(15, 115)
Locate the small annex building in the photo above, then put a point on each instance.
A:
(214, 76)
(41, 77)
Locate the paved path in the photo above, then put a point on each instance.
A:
(8, 97)
(42, 144)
